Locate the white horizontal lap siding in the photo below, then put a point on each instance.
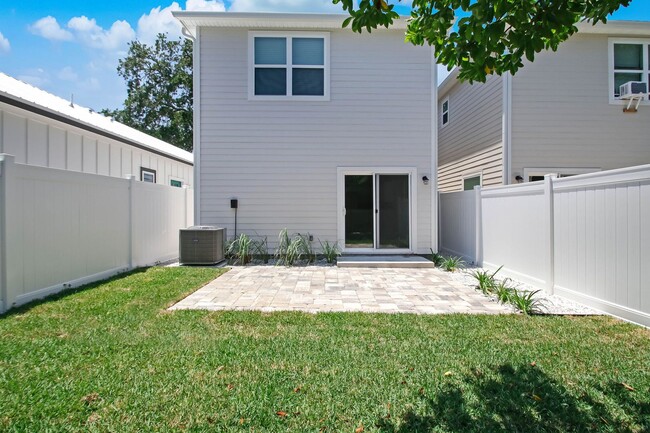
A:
(280, 158)
(561, 115)
(38, 140)
(472, 140)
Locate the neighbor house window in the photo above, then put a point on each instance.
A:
(628, 60)
(176, 183)
(444, 112)
(147, 175)
(469, 182)
(289, 65)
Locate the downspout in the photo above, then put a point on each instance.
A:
(434, 152)
(506, 128)
(196, 119)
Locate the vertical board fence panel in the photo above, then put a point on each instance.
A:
(458, 224)
(513, 221)
(584, 237)
(61, 229)
(601, 241)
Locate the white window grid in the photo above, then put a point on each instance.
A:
(645, 72)
(289, 65)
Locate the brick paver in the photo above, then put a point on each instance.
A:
(325, 288)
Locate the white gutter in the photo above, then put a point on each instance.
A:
(196, 118)
(434, 153)
(506, 128)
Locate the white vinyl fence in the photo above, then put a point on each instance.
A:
(61, 229)
(584, 237)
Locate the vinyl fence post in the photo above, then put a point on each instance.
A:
(550, 235)
(186, 204)
(478, 224)
(6, 167)
(131, 179)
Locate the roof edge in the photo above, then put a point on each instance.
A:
(448, 83)
(269, 20)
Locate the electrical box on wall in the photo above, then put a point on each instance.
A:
(234, 203)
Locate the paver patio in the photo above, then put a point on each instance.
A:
(324, 288)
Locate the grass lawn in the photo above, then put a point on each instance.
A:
(109, 358)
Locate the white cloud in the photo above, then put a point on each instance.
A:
(49, 28)
(160, 20)
(92, 35)
(37, 77)
(205, 5)
(5, 47)
(284, 6)
(67, 74)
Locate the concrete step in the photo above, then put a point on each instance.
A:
(383, 262)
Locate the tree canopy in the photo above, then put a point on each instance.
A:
(159, 90)
(489, 36)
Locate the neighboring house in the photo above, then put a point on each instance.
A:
(41, 129)
(560, 114)
(314, 128)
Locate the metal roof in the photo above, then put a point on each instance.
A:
(47, 104)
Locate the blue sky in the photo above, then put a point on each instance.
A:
(73, 46)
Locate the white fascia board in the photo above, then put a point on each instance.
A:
(448, 83)
(191, 20)
(620, 28)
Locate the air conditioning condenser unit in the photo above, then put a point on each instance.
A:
(201, 245)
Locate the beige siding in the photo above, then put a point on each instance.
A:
(471, 141)
(280, 158)
(561, 115)
(486, 162)
(37, 140)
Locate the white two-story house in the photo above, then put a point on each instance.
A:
(314, 128)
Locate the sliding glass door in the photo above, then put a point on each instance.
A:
(377, 211)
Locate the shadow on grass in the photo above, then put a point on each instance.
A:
(64, 293)
(522, 399)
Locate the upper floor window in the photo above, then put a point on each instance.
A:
(444, 112)
(628, 61)
(289, 65)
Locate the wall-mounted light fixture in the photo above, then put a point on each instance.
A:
(425, 180)
(519, 179)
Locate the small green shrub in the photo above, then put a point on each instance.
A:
(485, 280)
(330, 251)
(292, 249)
(240, 250)
(526, 302)
(503, 291)
(451, 264)
(437, 259)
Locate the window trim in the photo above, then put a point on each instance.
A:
(645, 72)
(478, 174)
(443, 112)
(289, 66)
(543, 171)
(144, 170)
